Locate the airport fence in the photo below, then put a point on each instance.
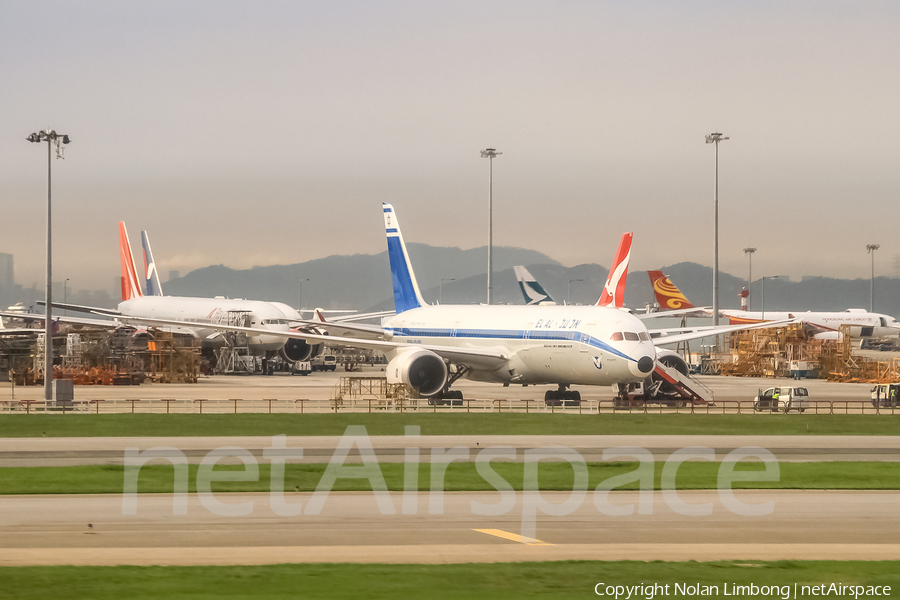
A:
(374, 405)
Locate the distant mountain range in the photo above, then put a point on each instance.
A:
(363, 281)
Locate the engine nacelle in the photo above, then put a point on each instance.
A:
(294, 350)
(423, 370)
(672, 359)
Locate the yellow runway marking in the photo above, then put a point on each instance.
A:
(513, 537)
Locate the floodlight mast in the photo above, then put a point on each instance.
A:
(715, 138)
(53, 139)
(763, 315)
(490, 153)
(749, 252)
(870, 249)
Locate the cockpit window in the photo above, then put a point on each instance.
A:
(617, 337)
(274, 321)
(645, 337)
(631, 336)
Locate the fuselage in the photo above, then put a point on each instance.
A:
(586, 345)
(220, 311)
(862, 323)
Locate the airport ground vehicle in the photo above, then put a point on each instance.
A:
(301, 367)
(886, 395)
(324, 362)
(788, 398)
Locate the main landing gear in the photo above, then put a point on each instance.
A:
(562, 397)
(448, 397)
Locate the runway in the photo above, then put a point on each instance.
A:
(36, 452)
(841, 525)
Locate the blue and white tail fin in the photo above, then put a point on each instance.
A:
(152, 275)
(531, 289)
(406, 290)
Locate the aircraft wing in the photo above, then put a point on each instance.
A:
(482, 359)
(106, 312)
(672, 313)
(20, 331)
(361, 316)
(369, 332)
(702, 332)
(102, 323)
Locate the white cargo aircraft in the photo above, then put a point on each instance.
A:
(199, 316)
(430, 347)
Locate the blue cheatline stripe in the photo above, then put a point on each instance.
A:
(388, 210)
(393, 230)
(513, 334)
(404, 292)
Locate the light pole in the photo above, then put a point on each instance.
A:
(53, 139)
(300, 295)
(871, 248)
(441, 289)
(749, 252)
(570, 288)
(715, 138)
(66, 295)
(763, 316)
(490, 153)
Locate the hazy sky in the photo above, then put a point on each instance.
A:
(263, 132)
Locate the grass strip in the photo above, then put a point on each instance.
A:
(513, 581)
(108, 479)
(475, 423)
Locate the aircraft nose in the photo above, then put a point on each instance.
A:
(645, 364)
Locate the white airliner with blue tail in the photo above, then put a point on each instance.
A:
(429, 347)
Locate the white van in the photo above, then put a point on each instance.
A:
(789, 398)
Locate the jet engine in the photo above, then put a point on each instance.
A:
(672, 360)
(423, 370)
(295, 349)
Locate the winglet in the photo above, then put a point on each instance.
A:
(406, 290)
(131, 288)
(532, 290)
(668, 296)
(614, 291)
(152, 275)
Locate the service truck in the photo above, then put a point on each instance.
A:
(782, 399)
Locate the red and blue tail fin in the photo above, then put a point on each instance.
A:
(131, 286)
(614, 291)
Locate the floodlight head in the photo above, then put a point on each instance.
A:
(749, 250)
(715, 138)
(33, 138)
(872, 247)
(490, 153)
(65, 139)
